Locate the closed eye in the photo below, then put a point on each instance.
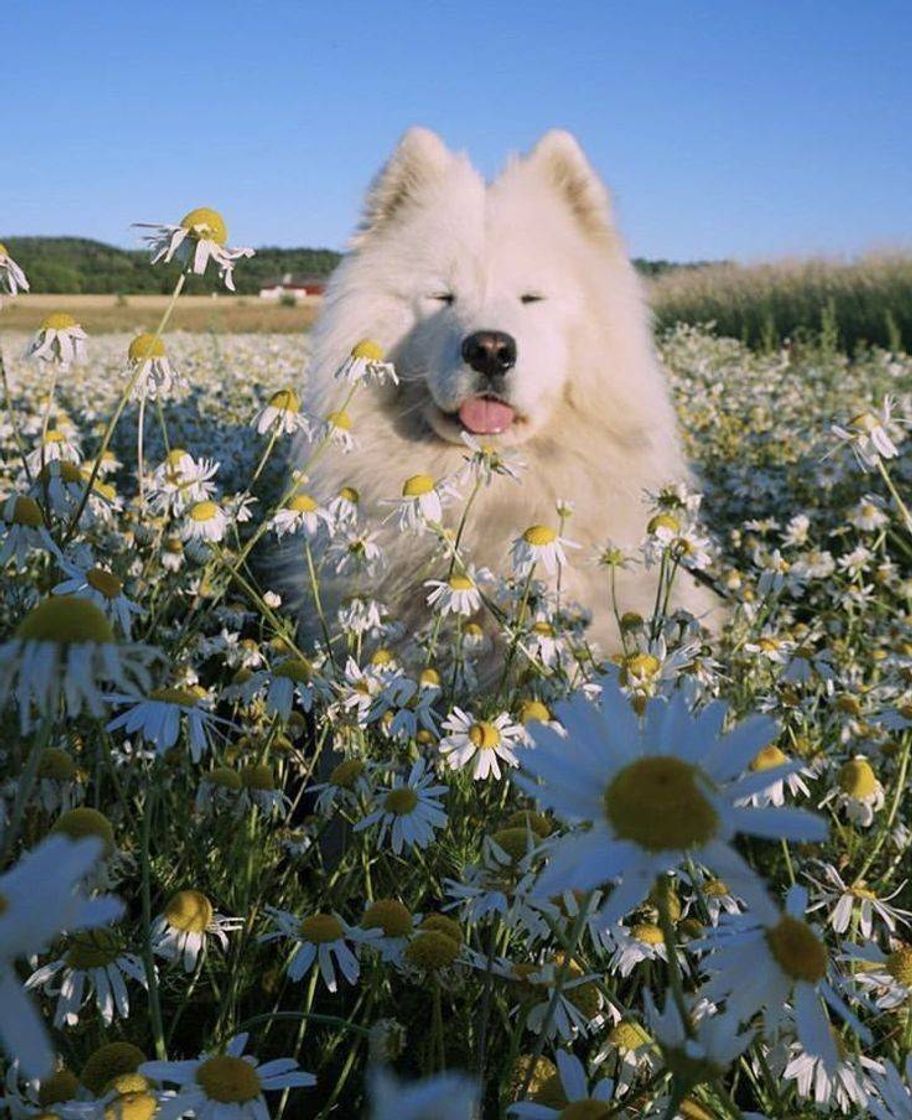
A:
(443, 297)
(531, 297)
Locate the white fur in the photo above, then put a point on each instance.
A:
(596, 423)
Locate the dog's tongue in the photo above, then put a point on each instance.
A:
(485, 416)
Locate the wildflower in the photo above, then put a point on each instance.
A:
(479, 743)
(205, 522)
(486, 461)
(159, 716)
(101, 587)
(868, 514)
(395, 922)
(301, 512)
(281, 415)
(94, 961)
(777, 961)
(155, 377)
(343, 509)
(410, 812)
(458, 594)
(856, 901)
(180, 481)
(422, 502)
(539, 545)
(59, 339)
(14, 279)
(292, 680)
(705, 1054)
(652, 792)
(224, 1086)
(578, 1099)
(846, 1086)
(443, 1096)
(353, 553)
(62, 652)
(771, 757)
(55, 447)
(199, 238)
(860, 793)
(887, 976)
(23, 529)
(365, 365)
(867, 436)
(641, 942)
(323, 940)
(41, 895)
(186, 925)
(348, 783)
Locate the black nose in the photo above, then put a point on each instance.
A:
(490, 352)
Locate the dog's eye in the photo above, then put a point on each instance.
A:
(530, 297)
(443, 297)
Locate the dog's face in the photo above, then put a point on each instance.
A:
(484, 282)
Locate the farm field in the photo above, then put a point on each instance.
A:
(372, 852)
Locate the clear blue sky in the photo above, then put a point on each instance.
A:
(742, 129)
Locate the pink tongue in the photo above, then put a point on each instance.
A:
(484, 416)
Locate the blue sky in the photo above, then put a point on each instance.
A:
(730, 129)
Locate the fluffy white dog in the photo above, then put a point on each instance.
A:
(512, 312)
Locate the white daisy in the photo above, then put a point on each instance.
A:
(180, 481)
(159, 717)
(886, 976)
(281, 415)
(410, 812)
(23, 530)
(156, 378)
(204, 522)
(337, 429)
(323, 940)
(856, 901)
(443, 1096)
(366, 366)
(185, 927)
(459, 594)
(100, 587)
(868, 437)
(301, 513)
(654, 792)
(14, 279)
(581, 1100)
(199, 238)
(539, 545)
(480, 744)
(59, 339)
(224, 1086)
(421, 504)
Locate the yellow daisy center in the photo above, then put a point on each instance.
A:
(797, 950)
(658, 804)
(302, 503)
(628, 1035)
(297, 669)
(368, 350)
(60, 1086)
(440, 923)
(258, 776)
(57, 765)
(184, 697)
(648, 933)
(66, 620)
(108, 1062)
(26, 511)
(105, 582)
(429, 678)
(204, 511)
(82, 822)
(390, 915)
(321, 929)
(539, 535)
(534, 711)
(865, 422)
(417, 485)
(545, 1084)
(587, 1109)
(381, 656)
(400, 801)
(93, 949)
(346, 773)
(58, 321)
(857, 779)
(350, 494)
(228, 1080)
(768, 758)
(132, 1106)
(225, 777)
(460, 583)
(431, 951)
(4, 252)
(525, 818)
(663, 521)
(286, 400)
(514, 841)
(484, 736)
(189, 911)
(340, 419)
(638, 667)
(206, 225)
(899, 965)
(144, 347)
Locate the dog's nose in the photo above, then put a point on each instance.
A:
(490, 352)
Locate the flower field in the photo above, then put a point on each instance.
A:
(474, 869)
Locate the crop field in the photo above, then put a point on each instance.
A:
(242, 876)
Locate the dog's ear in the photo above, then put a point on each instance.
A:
(420, 159)
(561, 161)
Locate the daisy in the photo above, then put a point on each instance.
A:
(353, 553)
(199, 238)
(857, 902)
(59, 339)
(396, 924)
(486, 461)
(479, 744)
(847, 1086)
(301, 513)
(421, 504)
(867, 436)
(224, 1086)
(291, 682)
(155, 376)
(641, 942)
(868, 514)
(204, 522)
(578, 1098)
(101, 587)
(337, 428)
(180, 481)
(771, 757)
(365, 365)
(42, 896)
(701, 1051)
(443, 1096)
(539, 544)
(580, 1006)
(348, 784)
(23, 530)
(778, 962)
(458, 594)
(160, 716)
(323, 940)
(94, 961)
(888, 975)
(55, 447)
(859, 793)
(63, 651)
(655, 793)
(343, 509)
(281, 415)
(14, 279)
(186, 925)
(410, 812)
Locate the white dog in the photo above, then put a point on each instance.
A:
(510, 311)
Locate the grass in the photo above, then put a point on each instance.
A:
(850, 304)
